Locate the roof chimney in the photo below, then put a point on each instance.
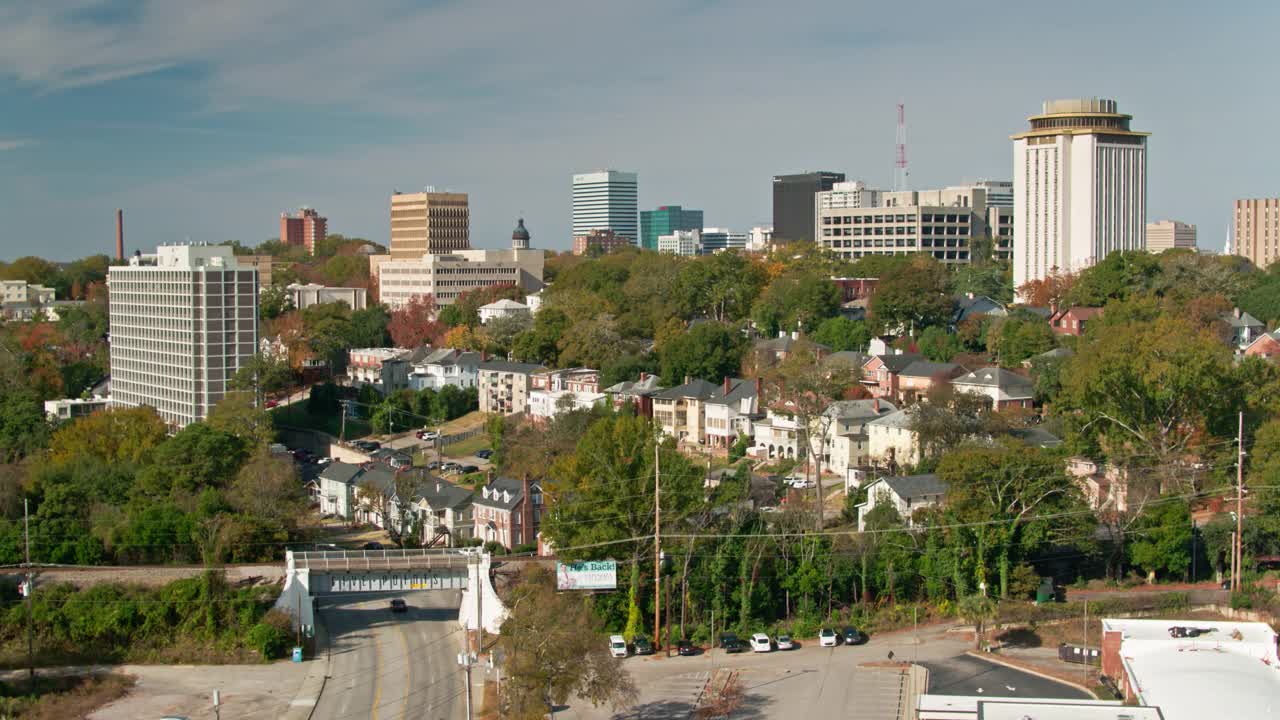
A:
(643, 376)
(526, 511)
(1236, 312)
(686, 379)
(484, 356)
(119, 234)
(875, 405)
(726, 384)
(969, 295)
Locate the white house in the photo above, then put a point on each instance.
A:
(907, 493)
(778, 435)
(846, 445)
(365, 366)
(501, 308)
(732, 412)
(337, 489)
(533, 302)
(446, 513)
(552, 390)
(434, 369)
(891, 441)
(1005, 389)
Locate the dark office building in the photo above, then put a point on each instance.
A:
(793, 200)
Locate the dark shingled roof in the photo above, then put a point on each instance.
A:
(514, 487)
(926, 369)
(511, 367)
(897, 363)
(697, 388)
(914, 486)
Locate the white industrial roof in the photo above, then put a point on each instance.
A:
(978, 707)
(1232, 670)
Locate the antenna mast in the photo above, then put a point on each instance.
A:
(900, 163)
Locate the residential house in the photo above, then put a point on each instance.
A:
(846, 445)
(337, 489)
(916, 380)
(501, 308)
(907, 494)
(365, 366)
(72, 408)
(639, 393)
(1059, 353)
(1072, 321)
(891, 440)
(508, 512)
(1265, 346)
(20, 300)
(533, 302)
(504, 386)
(394, 459)
(880, 372)
(731, 412)
(972, 306)
(553, 391)
(680, 411)
(1004, 388)
(1245, 328)
(445, 510)
(434, 369)
(774, 350)
(1105, 486)
(779, 435)
(847, 358)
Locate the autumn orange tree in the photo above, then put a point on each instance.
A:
(415, 323)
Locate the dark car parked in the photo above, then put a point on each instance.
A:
(726, 638)
(735, 646)
(484, 454)
(371, 546)
(642, 645)
(852, 636)
(685, 647)
(465, 469)
(398, 605)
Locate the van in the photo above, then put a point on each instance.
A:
(617, 646)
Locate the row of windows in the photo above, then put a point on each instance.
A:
(899, 230)
(872, 219)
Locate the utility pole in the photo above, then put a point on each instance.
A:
(342, 430)
(666, 641)
(1238, 575)
(30, 590)
(480, 582)
(1084, 643)
(465, 660)
(657, 541)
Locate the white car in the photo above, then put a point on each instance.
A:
(826, 637)
(617, 646)
(785, 642)
(760, 643)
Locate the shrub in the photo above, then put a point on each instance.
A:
(268, 640)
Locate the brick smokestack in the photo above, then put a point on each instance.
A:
(119, 234)
(526, 519)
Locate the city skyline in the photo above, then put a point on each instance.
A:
(196, 125)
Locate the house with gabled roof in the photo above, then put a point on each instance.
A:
(731, 412)
(432, 369)
(1244, 327)
(681, 411)
(917, 379)
(445, 510)
(892, 440)
(845, 445)
(1005, 388)
(970, 305)
(907, 494)
(1265, 346)
(639, 393)
(880, 372)
(1072, 321)
(508, 512)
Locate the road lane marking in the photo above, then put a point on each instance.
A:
(408, 680)
(377, 676)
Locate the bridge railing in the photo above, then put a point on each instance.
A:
(382, 559)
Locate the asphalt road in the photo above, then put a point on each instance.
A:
(393, 666)
(967, 675)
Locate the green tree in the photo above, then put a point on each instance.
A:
(555, 650)
(993, 281)
(113, 435)
(23, 427)
(274, 302)
(720, 287)
(327, 326)
(1117, 276)
(912, 296)
(540, 344)
(938, 344)
(369, 327)
(263, 375)
(501, 332)
(710, 350)
(797, 300)
(841, 333)
(1019, 336)
(1163, 545)
(593, 342)
(237, 414)
(1262, 296)
(196, 457)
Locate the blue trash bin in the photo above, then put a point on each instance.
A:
(297, 654)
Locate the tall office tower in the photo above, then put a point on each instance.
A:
(182, 322)
(1169, 235)
(605, 200)
(1080, 180)
(794, 204)
(429, 223)
(1257, 230)
(664, 221)
(305, 229)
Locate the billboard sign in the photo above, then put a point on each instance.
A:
(587, 575)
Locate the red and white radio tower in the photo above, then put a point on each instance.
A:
(900, 164)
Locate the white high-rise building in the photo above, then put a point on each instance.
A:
(183, 321)
(715, 240)
(759, 238)
(606, 200)
(1080, 180)
(681, 242)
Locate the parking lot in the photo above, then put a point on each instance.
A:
(817, 683)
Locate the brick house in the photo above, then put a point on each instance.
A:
(880, 373)
(1265, 346)
(504, 386)
(508, 512)
(1072, 320)
(917, 379)
(639, 393)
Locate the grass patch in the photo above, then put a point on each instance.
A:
(472, 419)
(468, 446)
(58, 698)
(296, 416)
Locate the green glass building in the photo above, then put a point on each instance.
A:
(664, 221)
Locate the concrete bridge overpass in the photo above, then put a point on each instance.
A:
(310, 575)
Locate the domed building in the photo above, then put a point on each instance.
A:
(520, 236)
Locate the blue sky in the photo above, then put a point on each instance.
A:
(204, 120)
